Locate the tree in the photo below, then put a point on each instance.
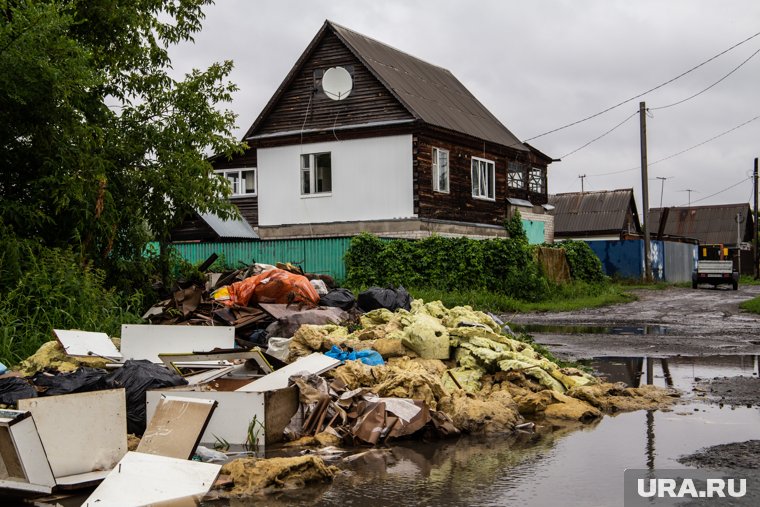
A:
(514, 227)
(101, 148)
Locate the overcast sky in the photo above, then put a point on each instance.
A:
(538, 65)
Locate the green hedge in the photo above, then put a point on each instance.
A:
(583, 262)
(506, 266)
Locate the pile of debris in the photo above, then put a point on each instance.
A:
(265, 355)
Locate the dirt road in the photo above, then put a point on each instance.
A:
(670, 322)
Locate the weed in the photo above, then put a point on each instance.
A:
(253, 434)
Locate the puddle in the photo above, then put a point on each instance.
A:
(568, 466)
(582, 329)
(680, 372)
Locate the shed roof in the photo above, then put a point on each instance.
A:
(709, 224)
(229, 229)
(593, 212)
(430, 93)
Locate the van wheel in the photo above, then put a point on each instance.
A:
(693, 285)
(735, 285)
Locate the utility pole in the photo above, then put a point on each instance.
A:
(739, 220)
(690, 190)
(581, 176)
(754, 221)
(645, 191)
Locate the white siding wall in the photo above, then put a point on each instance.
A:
(371, 180)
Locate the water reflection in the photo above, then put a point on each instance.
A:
(559, 465)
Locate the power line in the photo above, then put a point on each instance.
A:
(720, 191)
(680, 152)
(644, 93)
(601, 136)
(703, 91)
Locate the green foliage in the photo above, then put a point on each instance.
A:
(504, 266)
(584, 264)
(751, 305)
(101, 148)
(514, 227)
(53, 291)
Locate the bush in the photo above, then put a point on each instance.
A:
(583, 262)
(505, 266)
(50, 290)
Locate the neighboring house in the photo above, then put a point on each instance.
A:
(708, 224)
(600, 215)
(363, 137)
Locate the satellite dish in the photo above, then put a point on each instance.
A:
(337, 83)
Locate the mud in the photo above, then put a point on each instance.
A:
(706, 321)
(741, 455)
(734, 391)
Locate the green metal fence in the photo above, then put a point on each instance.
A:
(320, 255)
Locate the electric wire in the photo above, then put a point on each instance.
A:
(680, 152)
(601, 136)
(644, 93)
(703, 91)
(718, 192)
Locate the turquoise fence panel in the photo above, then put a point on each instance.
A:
(323, 255)
(534, 230)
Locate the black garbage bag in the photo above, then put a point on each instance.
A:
(13, 389)
(136, 377)
(339, 298)
(389, 298)
(81, 381)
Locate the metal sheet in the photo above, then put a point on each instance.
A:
(315, 363)
(86, 343)
(145, 479)
(141, 341)
(81, 432)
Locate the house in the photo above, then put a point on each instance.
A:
(599, 215)
(361, 136)
(708, 224)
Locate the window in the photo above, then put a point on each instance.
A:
(516, 175)
(316, 173)
(440, 170)
(242, 181)
(537, 181)
(483, 178)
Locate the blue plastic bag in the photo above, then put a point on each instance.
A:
(368, 357)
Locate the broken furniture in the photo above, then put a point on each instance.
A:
(147, 341)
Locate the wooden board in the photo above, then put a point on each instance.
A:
(144, 341)
(176, 426)
(146, 479)
(315, 363)
(86, 343)
(23, 464)
(82, 432)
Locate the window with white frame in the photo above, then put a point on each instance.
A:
(316, 173)
(483, 178)
(516, 175)
(537, 182)
(440, 170)
(242, 181)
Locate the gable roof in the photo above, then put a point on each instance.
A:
(429, 93)
(709, 224)
(593, 212)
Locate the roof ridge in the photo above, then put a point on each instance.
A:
(336, 25)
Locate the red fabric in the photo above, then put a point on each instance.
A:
(273, 286)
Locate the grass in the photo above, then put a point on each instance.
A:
(573, 296)
(748, 280)
(752, 305)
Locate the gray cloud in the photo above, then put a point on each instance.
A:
(538, 65)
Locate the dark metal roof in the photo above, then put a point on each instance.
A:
(709, 224)
(431, 93)
(592, 212)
